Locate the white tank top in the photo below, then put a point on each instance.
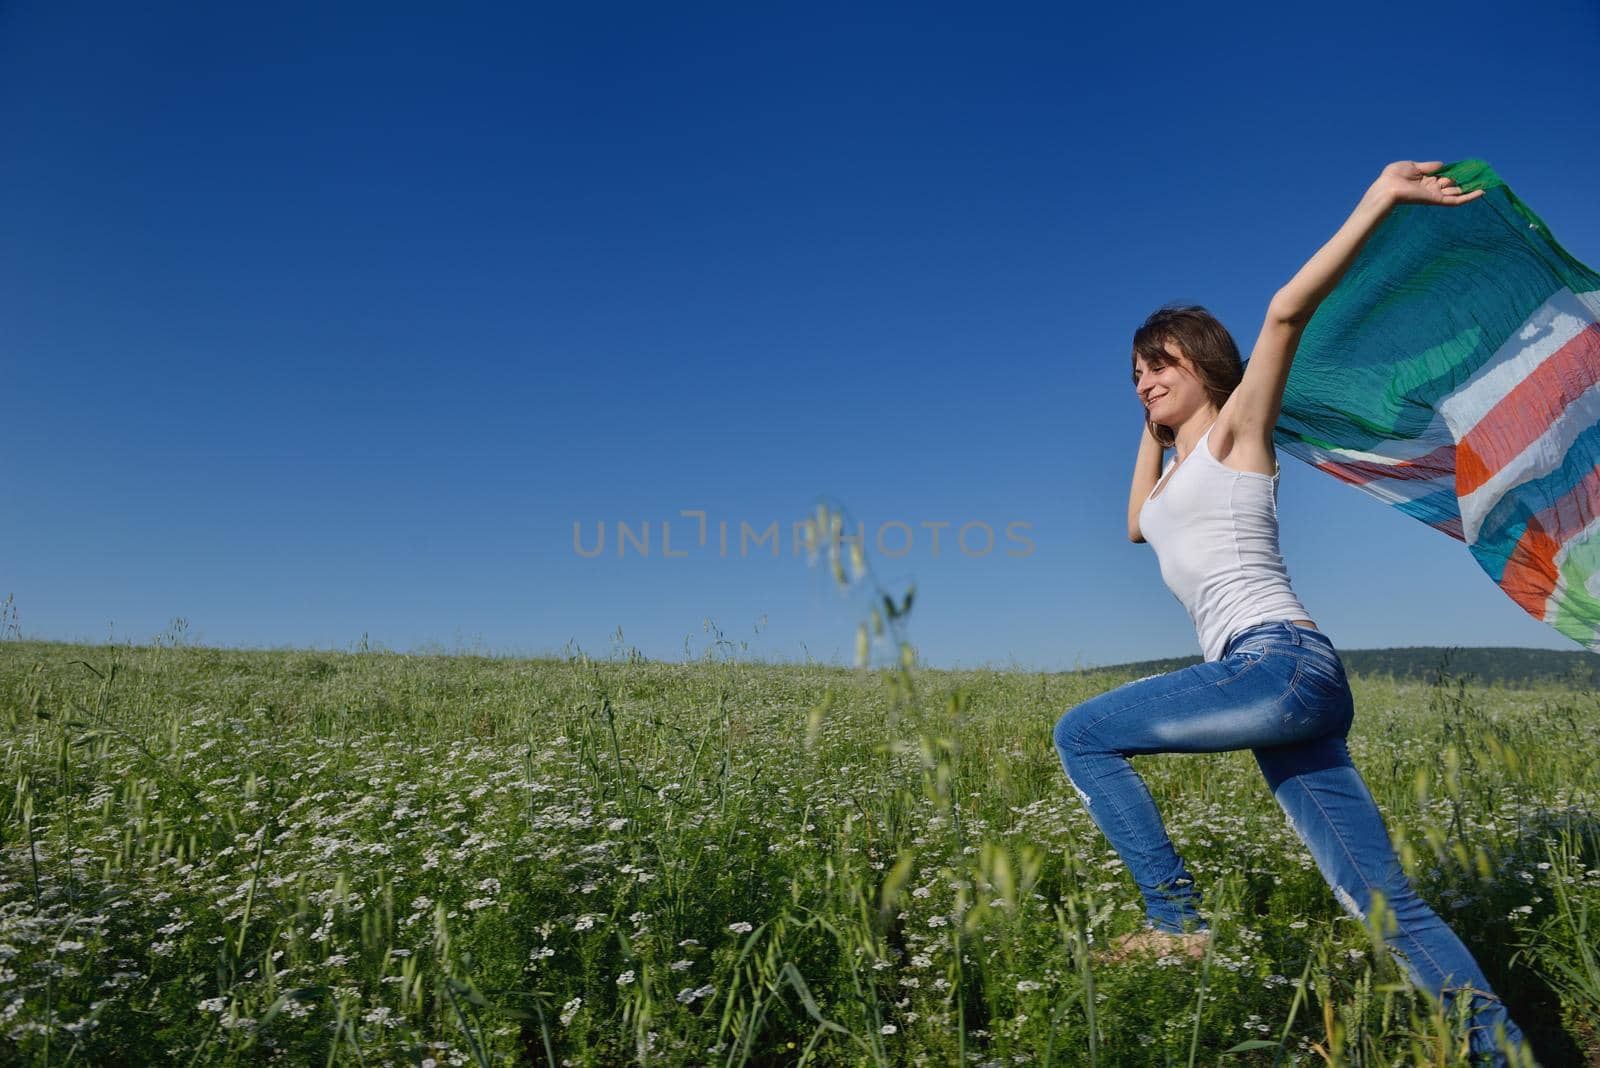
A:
(1215, 533)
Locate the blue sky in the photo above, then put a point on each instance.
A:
(322, 321)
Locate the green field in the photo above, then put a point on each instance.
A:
(230, 857)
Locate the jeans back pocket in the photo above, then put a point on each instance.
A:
(1320, 693)
(1247, 662)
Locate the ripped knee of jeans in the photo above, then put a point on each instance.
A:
(1349, 903)
(1067, 743)
(1378, 917)
(1079, 789)
(1345, 898)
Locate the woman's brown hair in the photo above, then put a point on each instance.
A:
(1203, 340)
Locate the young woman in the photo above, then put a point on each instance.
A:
(1271, 681)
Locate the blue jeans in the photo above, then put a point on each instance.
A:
(1279, 690)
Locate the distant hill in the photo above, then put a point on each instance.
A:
(1486, 666)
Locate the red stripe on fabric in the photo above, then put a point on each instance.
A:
(1452, 527)
(1572, 511)
(1439, 462)
(1527, 410)
(1530, 574)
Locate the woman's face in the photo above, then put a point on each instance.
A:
(1168, 389)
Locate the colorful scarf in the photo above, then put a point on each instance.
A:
(1453, 375)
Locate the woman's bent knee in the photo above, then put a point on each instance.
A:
(1061, 733)
(1069, 729)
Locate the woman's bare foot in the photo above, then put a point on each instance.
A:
(1160, 943)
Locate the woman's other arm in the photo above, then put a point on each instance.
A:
(1256, 402)
(1146, 473)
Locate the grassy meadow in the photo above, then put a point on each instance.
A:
(230, 857)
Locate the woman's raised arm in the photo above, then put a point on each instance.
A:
(1255, 404)
(1146, 473)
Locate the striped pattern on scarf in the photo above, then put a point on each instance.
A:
(1454, 374)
